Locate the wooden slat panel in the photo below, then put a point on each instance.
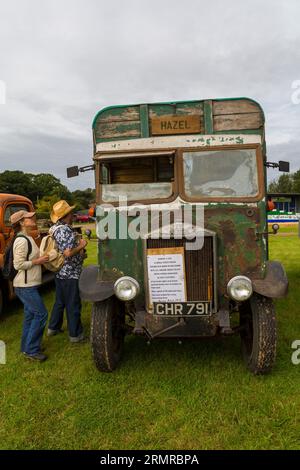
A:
(235, 107)
(120, 114)
(133, 175)
(180, 109)
(139, 171)
(108, 130)
(237, 121)
(188, 108)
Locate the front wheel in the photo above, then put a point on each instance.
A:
(258, 334)
(107, 333)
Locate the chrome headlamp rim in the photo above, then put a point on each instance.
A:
(135, 284)
(234, 280)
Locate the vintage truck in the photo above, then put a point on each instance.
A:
(168, 158)
(10, 203)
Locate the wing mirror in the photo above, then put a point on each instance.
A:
(75, 170)
(72, 171)
(281, 165)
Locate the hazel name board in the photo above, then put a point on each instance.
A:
(175, 125)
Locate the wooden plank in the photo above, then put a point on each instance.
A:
(235, 107)
(194, 109)
(174, 124)
(130, 113)
(237, 122)
(116, 129)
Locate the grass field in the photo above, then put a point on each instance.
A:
(197, 395)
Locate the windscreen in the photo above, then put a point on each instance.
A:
(220, 173)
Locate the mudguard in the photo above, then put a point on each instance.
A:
(275, 284)
(92, 287)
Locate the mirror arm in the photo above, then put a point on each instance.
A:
(271, 165)
(86, 168)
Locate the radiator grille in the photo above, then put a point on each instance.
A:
(198, 266)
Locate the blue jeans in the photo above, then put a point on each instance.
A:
(35, 318)
(67, 297)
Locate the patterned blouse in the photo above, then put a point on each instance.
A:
(66, 238)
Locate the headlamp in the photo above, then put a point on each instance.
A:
(239, 288)
(126, 288)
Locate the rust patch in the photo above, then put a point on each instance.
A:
(108, 254)
(229, 232)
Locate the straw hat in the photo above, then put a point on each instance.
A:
(60, 210)
(19, 215)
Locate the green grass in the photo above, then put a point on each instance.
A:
(197, 395)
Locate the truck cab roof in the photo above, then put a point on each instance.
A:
(5, 197)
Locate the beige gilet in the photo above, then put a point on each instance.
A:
(34, 272)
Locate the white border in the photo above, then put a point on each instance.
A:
(207, 140)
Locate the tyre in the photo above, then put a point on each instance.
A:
(258, 334)
(107, 333)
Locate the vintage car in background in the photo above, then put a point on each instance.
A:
(81, 218)
(10, 203)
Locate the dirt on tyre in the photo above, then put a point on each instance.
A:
(258, 334)
(107, 333)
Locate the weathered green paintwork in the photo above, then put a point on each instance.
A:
(241, 245)
(134, 121)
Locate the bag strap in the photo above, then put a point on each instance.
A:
(52, 230)
(29, 251)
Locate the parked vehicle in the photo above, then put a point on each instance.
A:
(184, 155)
(81, 218)
(10, 203)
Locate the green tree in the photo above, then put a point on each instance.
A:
(83, 198)
(46, 184)
(35, 187)
(296, 182)
(44, 206)
(16, 182)
(284, 184)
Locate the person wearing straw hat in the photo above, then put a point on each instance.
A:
(66, 280)
(28, 264)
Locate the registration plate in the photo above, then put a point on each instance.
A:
(182, 309)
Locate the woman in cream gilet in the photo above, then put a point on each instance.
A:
(28, 263)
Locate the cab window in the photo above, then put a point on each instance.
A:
(137, 178)
(11, 209)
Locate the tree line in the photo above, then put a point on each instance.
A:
(44, 190)
(286, 183)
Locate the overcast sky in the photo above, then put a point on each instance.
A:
(63, 60)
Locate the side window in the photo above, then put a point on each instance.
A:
(11, 209)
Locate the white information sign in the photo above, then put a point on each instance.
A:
(166, 274)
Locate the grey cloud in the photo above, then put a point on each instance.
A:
(64, 60)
